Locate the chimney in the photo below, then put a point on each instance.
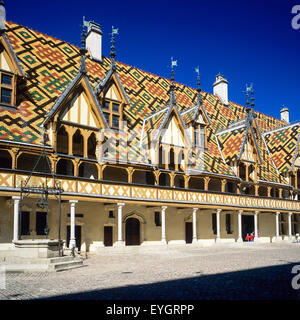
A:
(285, 114)
(221, 88)
(94, 41)
(2, 16)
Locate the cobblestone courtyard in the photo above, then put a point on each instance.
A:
(245, 271)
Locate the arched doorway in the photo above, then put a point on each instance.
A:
(132, 232)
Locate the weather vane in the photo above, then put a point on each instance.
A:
(197, 70)
(173, 64)
(113, 33)
(85, 23)
(249, 91)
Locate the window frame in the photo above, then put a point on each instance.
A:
(214, 223)
(11, 87)
(111, 112)
(157, 218)
(228, 223)
(199, 136)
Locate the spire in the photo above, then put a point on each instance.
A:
(250, 110)
(252, 97)
(198, 86)
(198, 79)
(172, 87)
(112, 48)
(248, 89)
(83, 51)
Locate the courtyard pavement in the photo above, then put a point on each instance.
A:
(231, 271)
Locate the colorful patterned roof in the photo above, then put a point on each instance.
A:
(282, 144)
(51, 65)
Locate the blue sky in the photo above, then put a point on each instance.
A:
(246, 41)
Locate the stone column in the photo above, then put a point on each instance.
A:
(72, 223)
(120, 213)
(195, 240)
(16, 217)
(256, 237)
(163, 225)
(277, 226)
(290, 225)
(218, 239)
(240, 238)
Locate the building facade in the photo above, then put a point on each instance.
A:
(141, 159)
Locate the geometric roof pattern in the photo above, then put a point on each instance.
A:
(282, 144)
(232, 143)
(51, 65)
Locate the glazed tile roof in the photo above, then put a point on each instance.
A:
(51, 65)
(282, 144)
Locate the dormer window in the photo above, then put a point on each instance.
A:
(112, 105)
(7, 88)
(112, 112)
(199, 136)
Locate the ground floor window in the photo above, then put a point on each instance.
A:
(25, 223)
(41, 223)
(157, 219)
(294, 224)
(282, 225)
(108, 236)
(228, 223)
(214, 223)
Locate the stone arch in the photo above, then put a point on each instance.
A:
(139, 216)
(135, 214)
(188, 217)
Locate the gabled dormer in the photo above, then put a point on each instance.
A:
(170, 142)
(76, 116)
(111, 93)
(10, 68)
(198, 121)
(113, 100)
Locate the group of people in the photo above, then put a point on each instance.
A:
(250, 237)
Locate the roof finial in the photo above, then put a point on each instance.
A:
(252, 97)
(112, 49)
(198, 79)
(173, 64)
(83, 49)
(172, 87)
(248, 90)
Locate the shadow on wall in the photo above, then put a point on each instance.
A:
(254, 284)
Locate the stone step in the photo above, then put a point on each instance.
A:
(18, 268)
(61, 266)
(42, 265)
(30, 261)
(61, 259)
